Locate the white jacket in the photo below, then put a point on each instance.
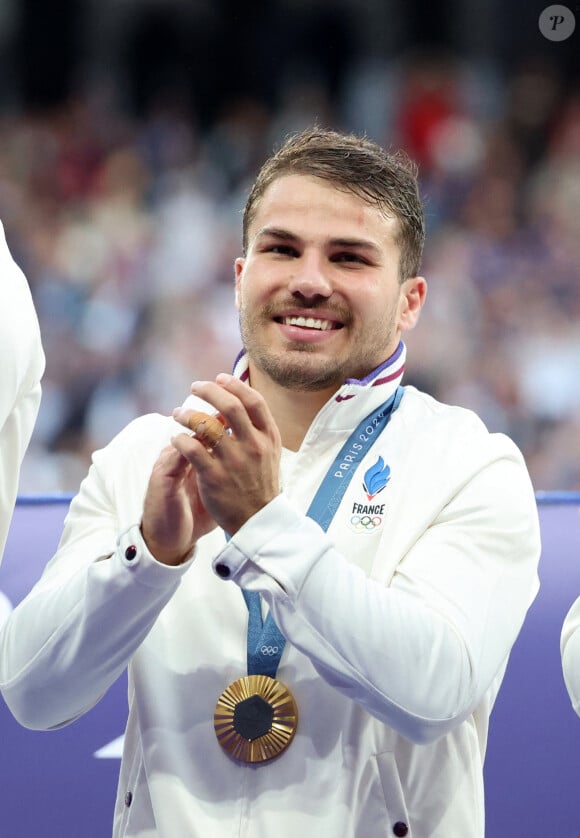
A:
(398, 635)
(21, 368)
(570, 650)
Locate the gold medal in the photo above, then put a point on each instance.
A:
(255, 718)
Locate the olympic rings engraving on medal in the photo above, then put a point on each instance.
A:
(269, 650)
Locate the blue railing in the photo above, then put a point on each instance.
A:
(44, 500)
(542, 498)
(553, 498)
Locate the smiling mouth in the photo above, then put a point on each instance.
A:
(310, 323)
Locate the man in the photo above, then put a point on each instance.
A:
(21, 370)
(393, 540)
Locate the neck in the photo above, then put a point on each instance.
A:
(293, 410)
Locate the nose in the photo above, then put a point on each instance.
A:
(309, 277)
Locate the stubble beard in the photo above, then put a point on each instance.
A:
(299, 367)
(296, 368)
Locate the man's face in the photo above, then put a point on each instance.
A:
(318, 292)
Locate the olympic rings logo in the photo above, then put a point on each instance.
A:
(364, 523)
(269, 650)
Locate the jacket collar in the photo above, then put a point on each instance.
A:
(356, 397)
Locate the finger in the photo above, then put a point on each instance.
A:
(227, 406)
(208, 429)
(193, 451)
(243, 409)
(172, 463)
(205, 428)
(254, 403)
(184, 415)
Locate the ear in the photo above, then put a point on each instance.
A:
(238, 272)
(413, 294)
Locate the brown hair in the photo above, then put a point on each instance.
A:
(357, 165)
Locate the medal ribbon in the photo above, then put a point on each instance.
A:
(265, 640)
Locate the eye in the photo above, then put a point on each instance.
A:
(349, 256)
(281, 249)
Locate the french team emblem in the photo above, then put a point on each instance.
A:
(376, 478)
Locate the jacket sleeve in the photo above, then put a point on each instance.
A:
(21, 369)
(570, 650)
(72, 636)
(421, 653)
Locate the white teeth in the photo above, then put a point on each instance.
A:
(308, 323)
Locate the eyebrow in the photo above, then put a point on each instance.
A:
(286, 235)
(276, 233)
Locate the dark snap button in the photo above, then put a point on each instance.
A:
(130, 552)
(222, 570)
(400, 829)
(128, 799)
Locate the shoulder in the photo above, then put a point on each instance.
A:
(457, 426)
(119, 473)
(148, 432)
(131, 454)
(129, 457)
(423, 407)
(452, 460)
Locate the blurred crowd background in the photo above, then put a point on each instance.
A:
(130, 131)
